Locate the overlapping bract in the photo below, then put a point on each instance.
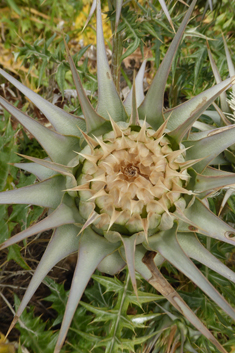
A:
(131, 179)
(136, 146)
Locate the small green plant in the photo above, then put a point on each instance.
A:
(126, 185)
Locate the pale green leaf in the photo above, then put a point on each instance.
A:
(182, 112)
(118, 12)
(93, 120)
(109, 102)
(203, 183)
(112, 264)
(194, 249)
(203, 221)
(179, 133)
(47, 193)
(64, 242)
(39, 171)
(139, 90)
(152, 106)
(168, 246)
(60, 148)
(208, 147)
(63, 122)
(88, 259)
(129, 246)
(62, 215)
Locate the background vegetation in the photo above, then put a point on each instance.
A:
(32, 49)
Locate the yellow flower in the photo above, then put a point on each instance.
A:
(89, 34)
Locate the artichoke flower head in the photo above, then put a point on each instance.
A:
(124, 183)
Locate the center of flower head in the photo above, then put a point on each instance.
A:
(131, 179)
(130, 171)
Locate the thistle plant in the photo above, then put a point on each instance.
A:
(126, 185)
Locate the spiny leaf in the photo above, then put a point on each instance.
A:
(109, 102)
(201, 219)
(181, 113)
(194, 249)
(88, 259)
(129, 246)
(63, 122)
(47, 193)
(112, 264)
(118, 12)
(208, 147)
(39, 171)
(63, 243)
(206, 183)
(179, 133)
(138, 88)
(152, 106)
(62, 215)
(93, 120)
(169, 247)
(58, 147)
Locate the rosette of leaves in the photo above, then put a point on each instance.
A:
(124, 183)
